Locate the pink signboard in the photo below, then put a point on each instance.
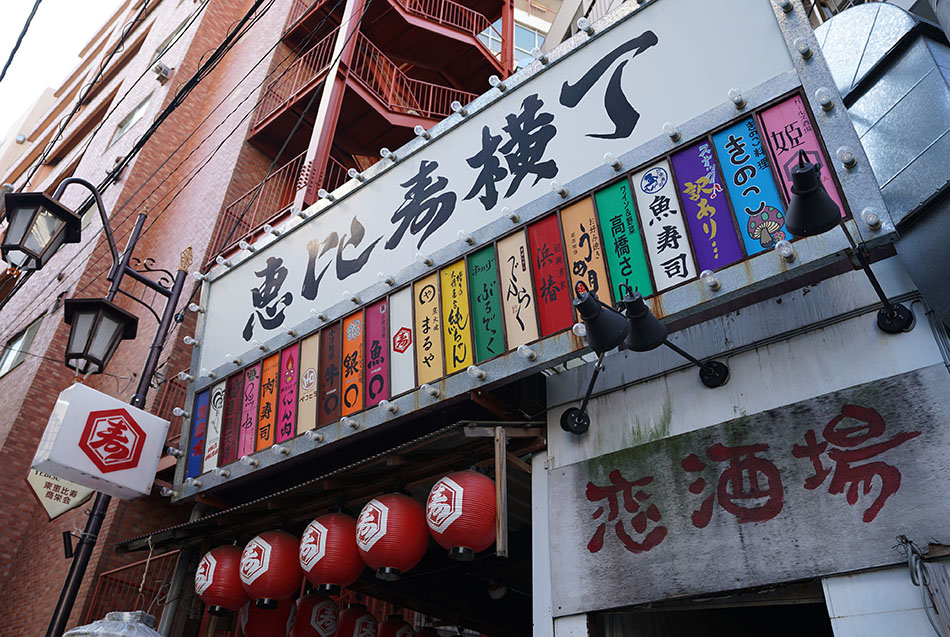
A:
(788, 130)
(287, 400)
(252, 392)
(377, 353)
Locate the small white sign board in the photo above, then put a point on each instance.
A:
(101, 443)
(57, 496)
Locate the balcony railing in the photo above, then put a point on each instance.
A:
(398, 92)
(295, 78)
(450, 14)
(118, 589)
(173, 396)
(254, 208)
(335, 176)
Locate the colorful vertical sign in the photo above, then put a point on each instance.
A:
(353, 334)
(377, 353)
(755, 199)
(402, 363)
(247, 440)
(231, 423)
(267, 413)
(551, 288)
(623, 245)
(215, 417)
(287, 396)
(715, 242)
(663, 226)
(425, 293)
(199, 431)
(788, 131)
(307, 392)
(329, 375)
(517, 291)
(456, 318)
(486, 308)
(585, 253)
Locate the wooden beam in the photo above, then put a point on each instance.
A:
(518, 463)
(501, 492)
(475, 431)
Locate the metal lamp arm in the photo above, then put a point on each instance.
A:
(102, 210)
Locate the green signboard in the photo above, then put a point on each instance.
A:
(622, 244)
(486, 308)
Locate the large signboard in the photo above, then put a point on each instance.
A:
(757, 500)
(611, 95)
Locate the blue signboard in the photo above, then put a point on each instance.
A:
(755, 199)
(199, 429)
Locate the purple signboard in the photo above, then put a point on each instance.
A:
(287, 402)
(199, 429)
(377, 353)
(252, 392)
(788, 130)
(699, 183)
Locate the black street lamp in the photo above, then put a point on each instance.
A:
(97, 326)
(37, 226)
(811, 211)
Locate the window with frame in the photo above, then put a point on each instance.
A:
(168, 42)
(130, 120)
(15, 350)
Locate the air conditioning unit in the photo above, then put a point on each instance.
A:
(162, 72)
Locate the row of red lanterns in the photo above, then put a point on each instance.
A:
(317, 616)
(389, 536)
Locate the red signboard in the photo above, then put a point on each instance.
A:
(552, 291)
(330, 359)
(231, 426)
(377, 353)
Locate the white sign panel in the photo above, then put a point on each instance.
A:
(101, 443)
(402, 370)
(215, 418)
(667, 62)
(57, 496)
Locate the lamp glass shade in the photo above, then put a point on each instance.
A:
(606, 328)
(647, 332)
(38, 226)
(811, 210)
(97, 326)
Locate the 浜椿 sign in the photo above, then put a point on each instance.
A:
(662, 64)
(810, 489)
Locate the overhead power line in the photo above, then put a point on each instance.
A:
(16, 45)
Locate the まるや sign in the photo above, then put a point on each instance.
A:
(101, 443)
(112, 440)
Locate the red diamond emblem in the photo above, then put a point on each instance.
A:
(112, 440)
(402, 340)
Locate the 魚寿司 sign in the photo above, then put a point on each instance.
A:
(101, 443)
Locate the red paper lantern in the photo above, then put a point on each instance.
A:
(270, 568)
(317, 616)
(391, 534)
(261, 622)
(460, 513)
(396, 626)
(328, 553)
(218, 580)
(356, 621)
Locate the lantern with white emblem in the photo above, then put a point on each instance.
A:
(396, 626)
(260, 622)
(317, 616)
(391, 534)
(218, 580)
(460, 513)
(328, 553)
(356, 621)
(270, 568)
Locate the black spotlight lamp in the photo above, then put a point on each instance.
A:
(606, 329)
(37, 226)
(647, 333)
(811, 211)
(96, 326)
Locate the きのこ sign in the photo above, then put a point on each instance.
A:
(711, 226)
(623, 245)
(752, 501)
(663, 228)
(55, 495)
(553, 126)
(101, 443)
(307, 394)
(456, 317)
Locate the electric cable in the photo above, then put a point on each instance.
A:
(19, 40)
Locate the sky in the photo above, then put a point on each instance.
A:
(50, 50)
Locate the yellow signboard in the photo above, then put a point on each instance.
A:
(425, 293)
(456, 318)
(585, 254)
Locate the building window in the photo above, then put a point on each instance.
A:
(526, 39)
(130, 120)
(15, 351)
(169, 41)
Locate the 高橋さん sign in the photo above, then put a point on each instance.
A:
(662, 63)
(101, 443)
